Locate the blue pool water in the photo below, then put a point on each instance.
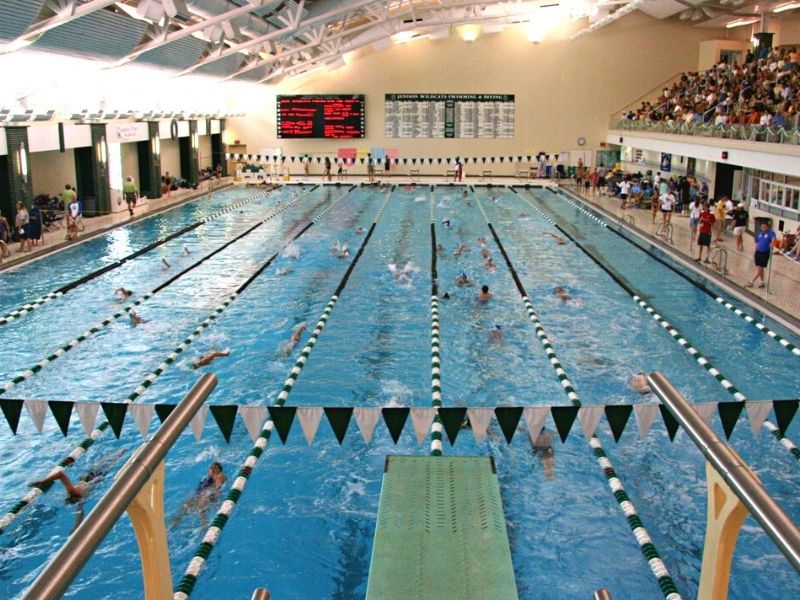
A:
(305, 522)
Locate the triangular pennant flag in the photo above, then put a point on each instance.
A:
(534, 418)
(564, 417)
(502, 158)
(62, 411)
(589, 417)
(413, 161)
(225, 416)
(430, 161)
(11, 411)
(405, 161)
(508, 418)
(198, 422)
(479, 420)
(87, 413)
(164, 410)
(453, 420)
(309, 417)
(367, 419)
(422, 419)
(670, 422)
(362, 161)
(617, 416)
(645, 415)
(282, 417)
(395, 419)
(729, 414)
(253, 417)
(519, 159)
(528, 157)
(339, 420)
(705, 410)
(115, 414)
(492, 159)
(757, 412)
(142, 415)
(784, 413)
(439, 160)
(37, 409)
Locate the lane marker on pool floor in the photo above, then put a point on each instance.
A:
(62, 350)
(682, 341)
(77, 452)
(436, 365)
(726, 303)
(648, 549)
(34, 304)
(189, 580)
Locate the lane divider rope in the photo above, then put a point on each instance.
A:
(648, 549)
(78, 451)
(62, 350)
(34, 304)
(727, 304)
(436, 365)
(189, 580)
(683, 342)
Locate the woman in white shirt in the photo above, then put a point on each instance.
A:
(667, 201)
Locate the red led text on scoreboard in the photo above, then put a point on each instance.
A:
(321, 116)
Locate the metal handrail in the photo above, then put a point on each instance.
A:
(64, 567)
(260, 594)
(602, 594)
(730, 466)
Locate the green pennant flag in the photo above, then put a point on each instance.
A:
(453, 421)
(225, 416)
(11, 411)
(508, 418)
(669, 421)
(784, 413)
(339, 419)
(729, 413)
(62, 411)
(282, 417)
(617, 416)
(395, 419)
(115, 413)
(164, 410)
(564, 417)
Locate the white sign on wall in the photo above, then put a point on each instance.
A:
(43, 138)
(127, 132)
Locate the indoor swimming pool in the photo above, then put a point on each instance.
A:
(304, 524)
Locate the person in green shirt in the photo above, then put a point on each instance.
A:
(130, 193)
(67, 196)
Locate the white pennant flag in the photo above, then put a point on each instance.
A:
(422, 419)
(309, 417)
(645, 414)
(758, 411)
(142, 415)
(37, 409)
(534, 418)
(198, 422)
(367, 419)
(705, 410)
(87, 413)
(479, 420)
(589, 417)
(253, 417)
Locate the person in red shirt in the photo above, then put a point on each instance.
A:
(706, 221)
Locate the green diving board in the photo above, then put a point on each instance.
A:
(441, 532)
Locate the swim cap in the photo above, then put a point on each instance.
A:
(464, 275)
(498, 326)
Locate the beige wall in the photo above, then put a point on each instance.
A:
(170, 157)
(564, 90)
(51, 171)
(204, 152)
(130, 162)
(710, 51)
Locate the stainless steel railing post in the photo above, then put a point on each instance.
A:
(64, 567)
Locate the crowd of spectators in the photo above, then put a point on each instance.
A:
(762, 91)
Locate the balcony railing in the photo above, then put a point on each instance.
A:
(788, 134)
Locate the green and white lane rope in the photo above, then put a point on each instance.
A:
(648, 549)
(588, 213)
(34, 304)
(62, 350)
(436, 364)
(189, 580)
(760, 326)
(148, 381)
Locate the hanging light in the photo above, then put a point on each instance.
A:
(23, 162)
(101, 151)
(156, 144)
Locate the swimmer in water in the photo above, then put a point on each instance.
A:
(136, 319)
(284, 271)
(542, 447)
(496, 334)
(558, 239)
(359, 230)
(288, 347)
(489, 264)
(481, 240)
(638, 383)
(208, 358)
(461, 249)
(439, 248)
(561, 293)
(166, 264)
(484, 295)
(464, 193)
(207, 493)
(446, 296)
(446, 223)
(123, 293)
(463, 280)
(485, 253)
(186, 251)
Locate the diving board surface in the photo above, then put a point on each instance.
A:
(441, 532)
